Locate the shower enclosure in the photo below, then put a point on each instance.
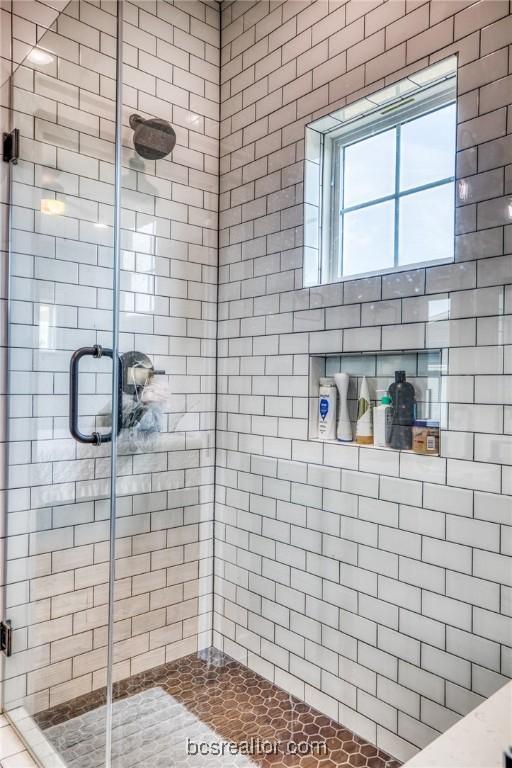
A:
(159, 344)
(110, 356)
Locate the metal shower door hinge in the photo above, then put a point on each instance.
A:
(11, 146)
(6, 637)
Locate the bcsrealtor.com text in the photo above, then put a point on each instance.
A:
(255, 746)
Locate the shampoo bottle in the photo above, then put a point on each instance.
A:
(327, 410)
(364, 426)
(403, 400)
(383, 421)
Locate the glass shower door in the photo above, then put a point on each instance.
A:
(61, 340)
(80, 639)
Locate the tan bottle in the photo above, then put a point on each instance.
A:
(364, 425)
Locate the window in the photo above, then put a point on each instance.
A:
(379, 181)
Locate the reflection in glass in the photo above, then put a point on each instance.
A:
(51, 207)
(39, 57)
(369, 171)
(47, 327)
(368, 239)
(427, 148)
(438, 309)
(426, 228)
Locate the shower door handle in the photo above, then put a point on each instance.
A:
(96, 438)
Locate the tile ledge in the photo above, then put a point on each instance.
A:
(372, 447)
(476, 741)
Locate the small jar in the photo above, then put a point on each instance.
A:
(425, 437)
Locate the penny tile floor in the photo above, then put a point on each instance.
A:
(239, 705)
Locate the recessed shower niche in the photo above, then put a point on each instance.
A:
(424, 369)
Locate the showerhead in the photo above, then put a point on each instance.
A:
(153, 139)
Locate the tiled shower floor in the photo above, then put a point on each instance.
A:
(239, 705)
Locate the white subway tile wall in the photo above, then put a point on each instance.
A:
(379, 590)
(58, 510)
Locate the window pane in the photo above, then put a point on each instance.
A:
(368, 239)
(426, 225)
(370, 169)
(427, 148)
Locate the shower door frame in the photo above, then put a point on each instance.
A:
(24, 733)
(116, 395)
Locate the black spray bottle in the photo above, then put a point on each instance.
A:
(403, 400)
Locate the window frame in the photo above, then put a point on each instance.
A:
(432, 97)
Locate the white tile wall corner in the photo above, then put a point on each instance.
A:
(394, 574)
(57, 548)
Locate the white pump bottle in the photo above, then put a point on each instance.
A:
(344, 429)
